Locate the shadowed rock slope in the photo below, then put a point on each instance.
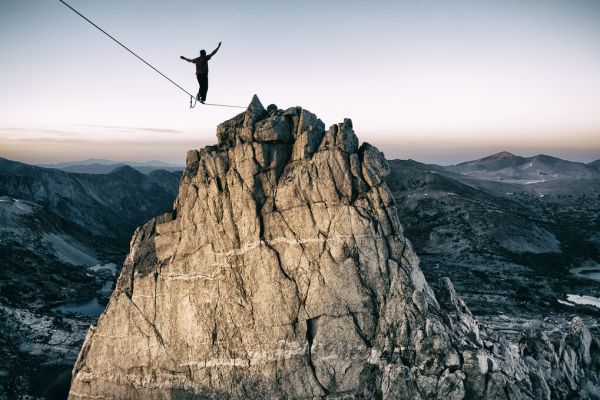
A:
(91, 201)
(283, 272)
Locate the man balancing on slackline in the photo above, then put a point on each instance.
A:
(202, 71)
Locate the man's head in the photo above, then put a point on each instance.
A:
(202, 52)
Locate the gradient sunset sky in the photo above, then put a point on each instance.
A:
(437, 81)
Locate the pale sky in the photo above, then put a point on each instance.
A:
(437, 81)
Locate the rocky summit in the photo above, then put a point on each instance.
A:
(283, 272)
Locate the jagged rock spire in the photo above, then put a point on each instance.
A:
(283, 272)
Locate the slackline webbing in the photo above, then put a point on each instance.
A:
(192, 97)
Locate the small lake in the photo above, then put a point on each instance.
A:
(586, 300)
(573, 299)
(89, 307)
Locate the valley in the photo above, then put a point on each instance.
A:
(515, 250)
(63, 238)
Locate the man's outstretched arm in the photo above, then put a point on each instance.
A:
(186, 59)
(215, 51)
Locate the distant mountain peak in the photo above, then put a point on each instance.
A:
(502, 154)
(494, 162)
(126, 170)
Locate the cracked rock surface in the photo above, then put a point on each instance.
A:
(283, 272)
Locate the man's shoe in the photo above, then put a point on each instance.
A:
(202, 101)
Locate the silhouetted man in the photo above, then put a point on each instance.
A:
(202, 71)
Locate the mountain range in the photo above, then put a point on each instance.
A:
(506, 166)
(515, 250)
(102, 166)
(92, 201)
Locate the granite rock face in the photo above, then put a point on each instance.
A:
(283, 272)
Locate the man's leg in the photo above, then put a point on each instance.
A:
(203, 79)
(199, 89)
